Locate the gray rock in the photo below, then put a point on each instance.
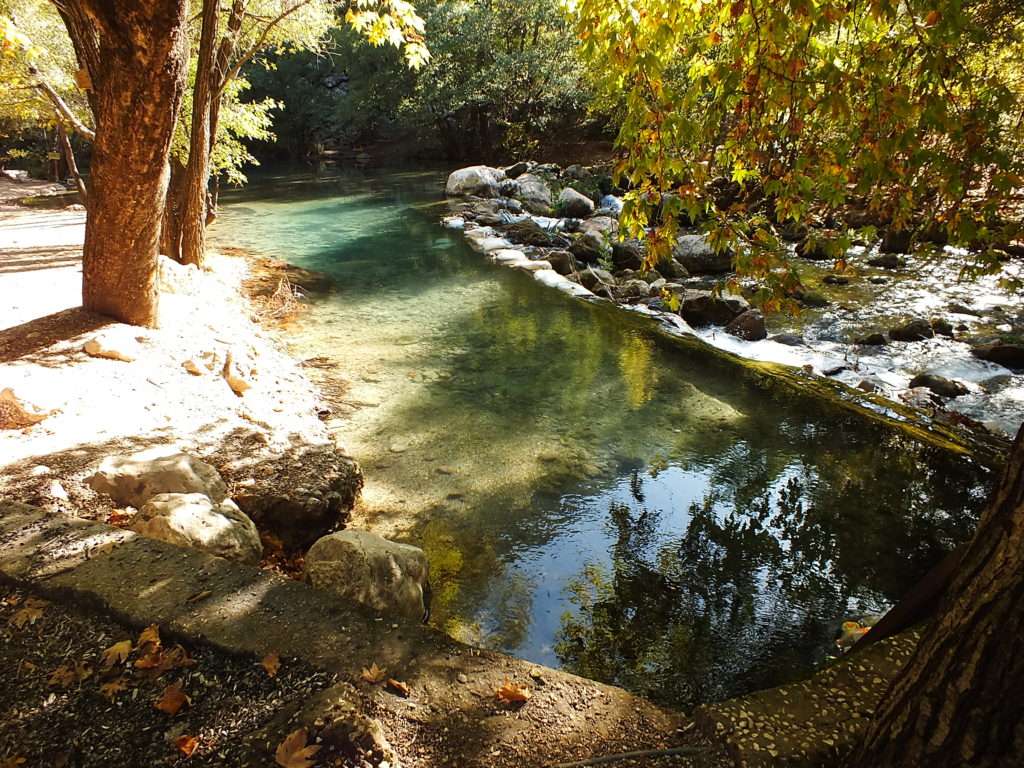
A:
(1005, 354)
(836, 280)
(628, 254)
(193, 520)
(605, 225)
(896, 241)
(939, 385)
(657, 285)
(673, 270)
(871, 340)
(942, 327)
(699, 258)
(535, 194)
(134, 480)
(563, 262)
(589, 247)
(750, 326)
(508, 188)
(384, 575)
(575, 172)
(812, 299)
(886, 261)
(915, 330)
(705, 308)
(516, 170)
(478, 180)
(574, 204)
(789, 339)
(593, 278)
(633, 289)
(529, 232)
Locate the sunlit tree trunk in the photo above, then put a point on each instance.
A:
(958, 702)
(136, 57)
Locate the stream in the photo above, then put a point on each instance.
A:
(592, 495)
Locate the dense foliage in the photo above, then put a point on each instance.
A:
(766, 117)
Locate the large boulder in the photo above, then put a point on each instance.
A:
(696, 254)
(479, 180)
(193, 520)
(535, 194)
(939, 385)
(750, 326)
(134, 480)
(700, 308)
(1008, 355)
(574, 204)
(384, 575)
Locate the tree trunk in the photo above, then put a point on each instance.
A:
(170, 232)
(69, 158)
(197, 175)
(136, 55)
(958, 701)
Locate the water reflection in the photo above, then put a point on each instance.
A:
(590, 494)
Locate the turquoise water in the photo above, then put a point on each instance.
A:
(592, 495)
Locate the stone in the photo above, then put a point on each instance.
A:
(508, 188)
(384, 575)
(871, 340)
(673, 270)
(939, 385)
(535, 194)
(749, 326)
(529, 232)
(17, 414)
(118, 343)
(962, 309)
(657, 285)
(576, 172)
(886, 261)
(593, 278)
(896, 241)
(812, 299)
(942, 327)
(1002, 353)
(133, 480)
(563, 262)
(516, 170)
(589, 247)
(628, 254)
(915, 330)
(789, 339)
(479, 180)
(836, 280)
(815, 246)
(633, 289)
(574, 204)
(604, 225)
(193, 520)
(700, 308)
(699, 258)
(173, 277)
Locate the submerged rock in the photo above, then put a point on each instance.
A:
(887, 261)
(193, 520)
(134, 480)
(1008, 355)
(700, 308)
(915, 330)
(575, 204)
(871, 340)
(479, 180)
(749, 326)
(939, 385)
(381, 574)
(695, 253)
(789, 339)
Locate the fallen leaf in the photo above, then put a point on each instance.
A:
(117, 653)
(12, 762)
(187, 745)
(172, 699)
(150, 635)
(271, 662)
(12, 600)
(64, 676)
(30, 613)
(373, 674)
(398, 687)
(293, 752)
(114, 687)
(510, 693)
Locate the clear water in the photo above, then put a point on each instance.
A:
(590, 494)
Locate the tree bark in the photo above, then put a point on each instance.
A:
(170, 232)
(69, 158)
(136, 55)
(958, 701)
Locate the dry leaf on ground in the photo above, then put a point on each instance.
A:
(29, 613)
(114, 687)
(293, 752)
(272, 663)
(67, 674)
(187, 745)
(510, 693)
(117, 653)
(373, 673)
(172, 699)
(150, 635)
(12, 762)
(398, 687)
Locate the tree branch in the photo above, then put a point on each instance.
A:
(62, 108)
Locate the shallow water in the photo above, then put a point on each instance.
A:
(592, 495)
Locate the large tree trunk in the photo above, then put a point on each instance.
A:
(136, 55)
(197, 175)
(958, 702)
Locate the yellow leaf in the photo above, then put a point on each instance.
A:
(172, 699)
(510, 693)
(187, 745)
(272, 663)
(373, 674)
(398, 687)
(150, 634)
(293, 752)
(117, 653)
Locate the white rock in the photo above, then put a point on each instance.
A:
(479, 180)
(507, 255)
(118, 343)
(361, 566)
(532, 266)
(454, 222)
(561, 283)
(173, 277)
(134, 480)
(192, 520)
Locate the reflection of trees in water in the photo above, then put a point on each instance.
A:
(748, 595)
